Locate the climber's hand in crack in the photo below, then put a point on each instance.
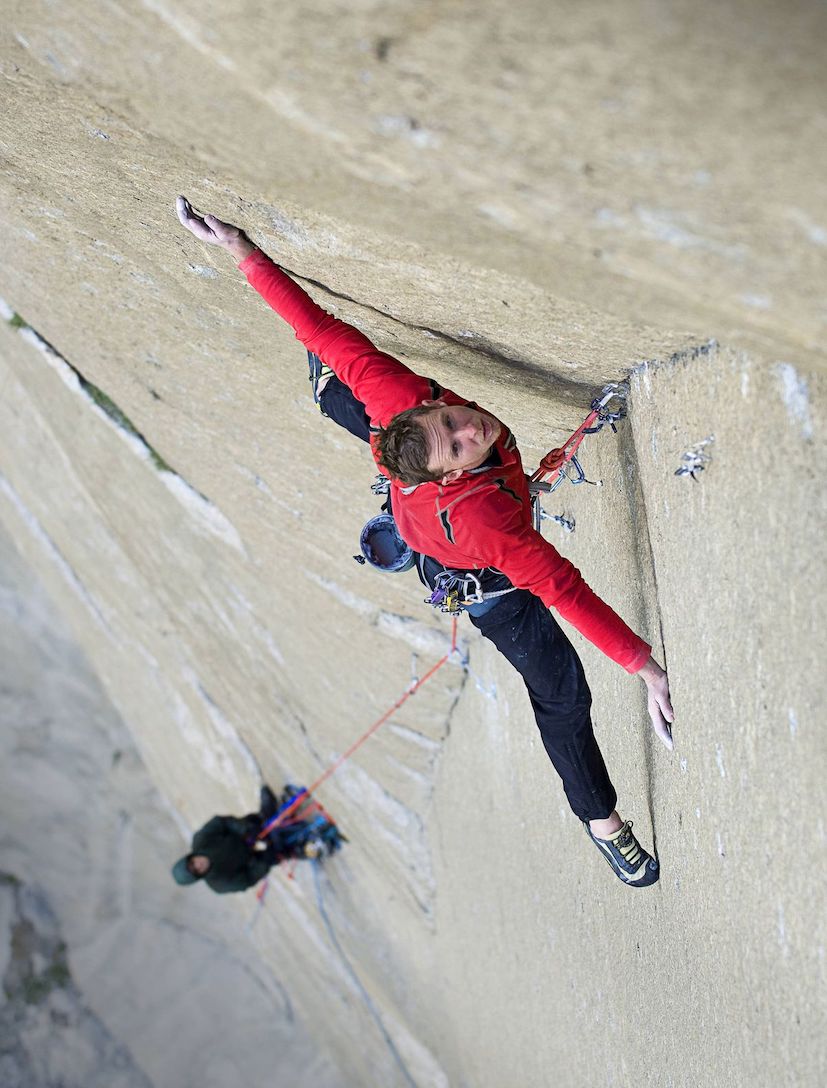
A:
(658, 704)
(213, 231)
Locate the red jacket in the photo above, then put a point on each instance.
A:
(482, 519)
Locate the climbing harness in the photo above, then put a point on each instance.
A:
(455, 590)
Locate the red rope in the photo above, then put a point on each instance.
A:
(556, 458)
(412, 690)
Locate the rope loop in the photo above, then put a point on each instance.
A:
(602, 412)
(553, 460)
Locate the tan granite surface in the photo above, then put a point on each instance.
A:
(526, 201)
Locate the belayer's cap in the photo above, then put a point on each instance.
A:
(383, 547)
(181, 873)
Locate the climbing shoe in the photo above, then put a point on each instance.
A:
(626, 856)
(318, 371)
(268, 803)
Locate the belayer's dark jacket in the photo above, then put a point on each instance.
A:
(234, 863)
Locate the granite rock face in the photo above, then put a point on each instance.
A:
(47, 1035)
(110, 976)
(526, 202)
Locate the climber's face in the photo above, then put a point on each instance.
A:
(459, 437)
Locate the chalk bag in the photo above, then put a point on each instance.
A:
(383, 547)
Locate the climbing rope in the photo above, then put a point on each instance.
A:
(303, 795)
(601, 414)
(558, 459)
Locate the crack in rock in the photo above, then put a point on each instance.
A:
(223, 726)
(565, 389)
(207, 513)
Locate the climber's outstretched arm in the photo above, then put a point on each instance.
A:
(381, 383)
(213, 231)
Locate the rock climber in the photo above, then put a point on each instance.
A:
(229, 857)
(460, 499)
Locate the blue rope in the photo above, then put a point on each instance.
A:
(374, 1012)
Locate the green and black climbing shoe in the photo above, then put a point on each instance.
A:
(626, 856)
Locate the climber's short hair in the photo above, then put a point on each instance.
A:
(402, 448)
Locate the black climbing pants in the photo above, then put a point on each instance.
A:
(528, 636)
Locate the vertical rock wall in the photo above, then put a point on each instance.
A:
(524, 203)
(110, 977)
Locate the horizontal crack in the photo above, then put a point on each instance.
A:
(565, 388)
(685, 355)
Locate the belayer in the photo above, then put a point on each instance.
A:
(228, 855)
(460, 499)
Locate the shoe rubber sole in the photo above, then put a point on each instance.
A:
(647, 873)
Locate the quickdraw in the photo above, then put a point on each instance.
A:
(695, 459)
(564, 458)
(601, 414)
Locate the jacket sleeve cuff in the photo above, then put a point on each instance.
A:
(255, 258)
(640, 659)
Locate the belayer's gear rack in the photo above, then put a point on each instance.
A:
(308, 823)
